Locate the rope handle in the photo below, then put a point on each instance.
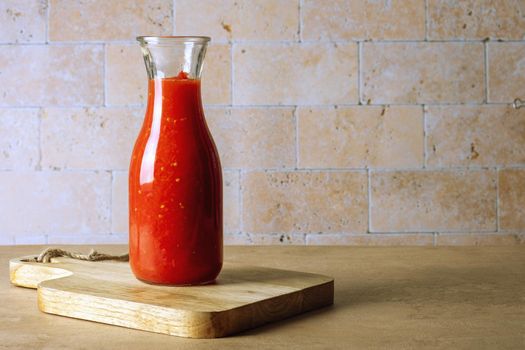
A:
(47, 254)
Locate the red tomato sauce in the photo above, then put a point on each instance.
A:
(175, 189)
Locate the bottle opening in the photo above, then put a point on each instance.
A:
(173, 56)
(170, 40)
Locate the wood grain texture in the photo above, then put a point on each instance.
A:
(243, 297)
(385, 298)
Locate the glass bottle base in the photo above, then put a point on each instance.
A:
(213, 281)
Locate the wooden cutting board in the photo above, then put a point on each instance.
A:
(242, 298)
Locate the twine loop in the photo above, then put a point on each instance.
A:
(49, 253)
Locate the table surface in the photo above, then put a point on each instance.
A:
(395, 297)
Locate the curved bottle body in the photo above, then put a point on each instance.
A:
(175, 189)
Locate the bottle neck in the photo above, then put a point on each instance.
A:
(169, 57)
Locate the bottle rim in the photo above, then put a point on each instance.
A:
(167, 40)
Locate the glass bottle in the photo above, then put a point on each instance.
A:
(175, 179)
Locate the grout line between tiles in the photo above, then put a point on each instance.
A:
(105, 75)
(369, 190)
(112, 184)
(359, 72)
(379, 170)
(425, 136)
(322, 42)
(427, 22)
(429, 231)
(296, 135)
(38, 166)
(48, 5)
(486, 71)
(308, 170)
(300, 33)
(232, 76)
(241, 201)
(173, 13)
(274, 106)
(498, 228)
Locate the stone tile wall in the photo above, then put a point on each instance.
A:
(362, 122)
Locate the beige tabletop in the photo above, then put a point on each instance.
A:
(393, 297)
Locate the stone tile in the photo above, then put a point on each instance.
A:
(126, 77)
(6, 239)
(277, 239)
(23, 21)
(506, 69)
(239, 19)
(264, 239)
(479, 239)
(290, 74)
(18, 138)
(41, 75)
(119, 203)
(304, 202)
(30, 239)
(234, 238)
(475, 135)
(127, 81)
(89, 138)
(109, 20)
(231, 207)
(361, 136)
(475, 20)
(401, 73)
(89, 239)
(372, 239)
(363, 20)
(46, 202)
(430, 201)
(512, 199)
(254, 137)
(216, 75)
